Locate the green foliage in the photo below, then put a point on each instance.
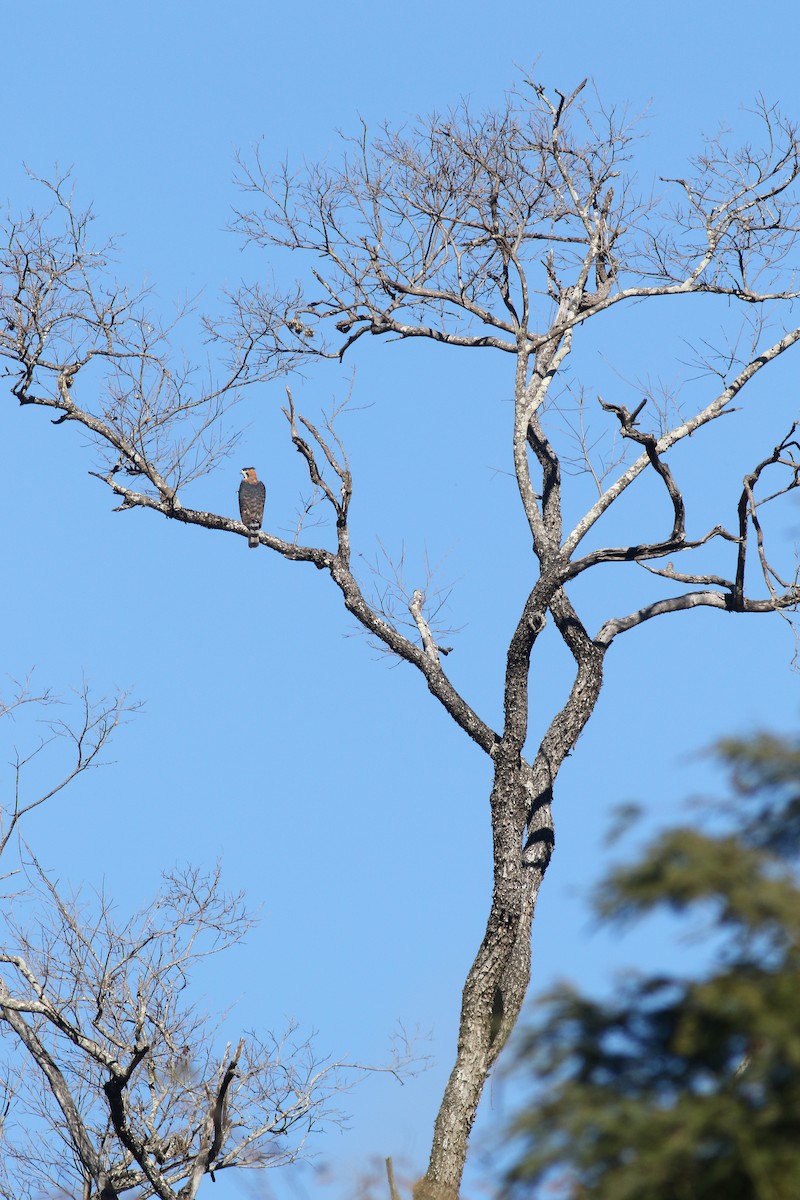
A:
(676, 1089)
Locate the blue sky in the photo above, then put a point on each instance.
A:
(328, 783)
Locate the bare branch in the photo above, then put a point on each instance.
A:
(85, 737)
(415, 608)
(132, 1066)
(789, 600)
(716, 408)
(505, 230)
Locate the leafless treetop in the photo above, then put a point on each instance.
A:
(503, 231)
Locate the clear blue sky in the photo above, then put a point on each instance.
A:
(330, 785)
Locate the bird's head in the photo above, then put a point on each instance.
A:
(249, 474)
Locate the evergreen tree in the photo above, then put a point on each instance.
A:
(676, 1089)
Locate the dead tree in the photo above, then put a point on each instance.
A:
(114, 1081)
(504, 232)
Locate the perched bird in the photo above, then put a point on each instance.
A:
(252, 495)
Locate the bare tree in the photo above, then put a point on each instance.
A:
(504, 232)
(129, 1087)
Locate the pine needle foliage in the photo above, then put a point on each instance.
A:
(677, 1089)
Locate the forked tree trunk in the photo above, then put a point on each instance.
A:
(522, 829)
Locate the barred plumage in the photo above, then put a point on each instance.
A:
(252, 495)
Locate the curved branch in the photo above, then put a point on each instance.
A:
(565, 728)
(438, 683)
(114, 1089)
(176, 511)
(616, 625)
(382, 325)
(90, 1160)
(748, 511)
(716, 408)
(641, 551)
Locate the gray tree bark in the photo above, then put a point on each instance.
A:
(506, 232)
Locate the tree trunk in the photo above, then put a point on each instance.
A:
(522, 830)
(496, 984)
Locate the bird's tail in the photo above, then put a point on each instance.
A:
(252, 541)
